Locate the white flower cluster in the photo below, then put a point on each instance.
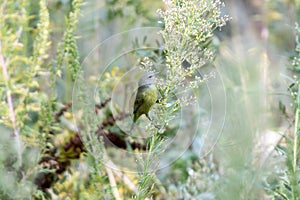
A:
(188, 31)
(198, 80)
(187, 36)
(146, 64)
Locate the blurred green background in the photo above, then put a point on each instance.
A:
(255, 92)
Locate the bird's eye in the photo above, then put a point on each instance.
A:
(150, 76)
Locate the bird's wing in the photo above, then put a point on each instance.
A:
(137, 104)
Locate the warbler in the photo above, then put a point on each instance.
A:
(146, 96)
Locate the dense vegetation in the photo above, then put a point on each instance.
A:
(226, 124)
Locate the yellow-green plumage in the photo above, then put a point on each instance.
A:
(145, 98)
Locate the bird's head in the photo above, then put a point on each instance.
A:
(147, 78)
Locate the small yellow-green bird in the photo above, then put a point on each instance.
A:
(146, 96)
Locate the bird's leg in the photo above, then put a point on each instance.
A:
(157, 127)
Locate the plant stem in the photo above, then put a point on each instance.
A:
(113, 183)
(10, 105)
(296, 143)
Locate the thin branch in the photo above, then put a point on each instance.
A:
(113, 183)
(62, 111)
(123, 176)
(10, 105)
(102, 105)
